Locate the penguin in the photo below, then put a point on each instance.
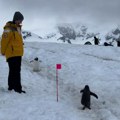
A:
(86, 97)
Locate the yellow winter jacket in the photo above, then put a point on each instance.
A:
(12, 42)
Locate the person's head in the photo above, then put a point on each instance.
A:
(36, 59)
(18, 18)
(87, 87)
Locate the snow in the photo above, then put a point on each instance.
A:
(97, 66)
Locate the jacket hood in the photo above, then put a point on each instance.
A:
(10, 24)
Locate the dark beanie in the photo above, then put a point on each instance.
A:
(18, 16)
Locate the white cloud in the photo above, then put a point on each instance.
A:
(98, 13)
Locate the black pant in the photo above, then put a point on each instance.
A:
(14, 77)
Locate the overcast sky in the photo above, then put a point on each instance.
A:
(44, 14)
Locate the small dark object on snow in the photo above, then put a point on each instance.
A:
(96, 41)
(107, 44)
(86, 100)
(88, 43)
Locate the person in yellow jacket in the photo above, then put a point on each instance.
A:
(12, 49)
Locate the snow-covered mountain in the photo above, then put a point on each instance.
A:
(73, 34)
(67, 33)
(113, 35)
(79, 34)
(30, 37)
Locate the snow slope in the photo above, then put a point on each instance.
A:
(97, 66)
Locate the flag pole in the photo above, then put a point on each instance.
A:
(58, 66)
(57, 83)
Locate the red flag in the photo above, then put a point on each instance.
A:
(58, 66)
